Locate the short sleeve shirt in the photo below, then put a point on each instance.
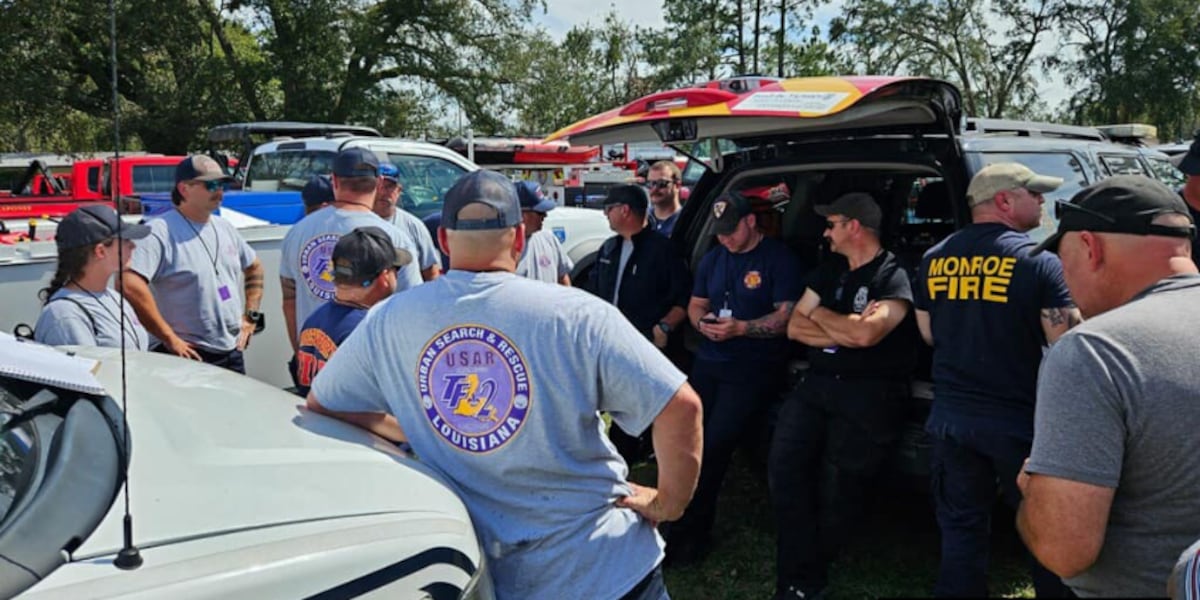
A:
(196, 271)
(984, 295)
(320, 337)
(427, 254)
(306, 256)
(749, 284)
(851, 292)
(1118, 400)
(544, 259)
(499, 386)
(79, 318)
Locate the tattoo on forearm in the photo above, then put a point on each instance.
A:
(1057, 317)
(772, 325)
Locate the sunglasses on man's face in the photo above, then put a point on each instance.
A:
(655, 184)
(211, 186)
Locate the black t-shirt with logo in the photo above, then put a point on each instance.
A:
(984, 295)
(850, 292)
(748, 284)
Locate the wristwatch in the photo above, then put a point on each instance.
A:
(664, 326)
(259, 320)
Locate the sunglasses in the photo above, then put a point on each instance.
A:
(211, 186)
(1137, 223)
(831, 223)
(655, 184)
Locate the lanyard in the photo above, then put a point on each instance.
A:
(137, 341)
(212, 255)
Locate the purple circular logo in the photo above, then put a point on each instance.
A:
(316, 265)
(474, 387)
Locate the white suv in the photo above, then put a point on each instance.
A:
(427, 171)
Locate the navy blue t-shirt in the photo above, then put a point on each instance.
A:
(851, 292)
(984, 295)
(749, 284)
(322, 333)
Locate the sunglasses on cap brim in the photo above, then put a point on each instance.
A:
(1139, 223)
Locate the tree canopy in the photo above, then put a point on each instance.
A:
(436, 67)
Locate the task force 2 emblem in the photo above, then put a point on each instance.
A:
(474, 388)
(316, 265)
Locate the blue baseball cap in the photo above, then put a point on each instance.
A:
(482, 187)
(92, 224)
(531, 197)
(318, 191)
(356, 162)
(389, 171)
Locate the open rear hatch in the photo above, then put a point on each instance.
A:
(791, 108)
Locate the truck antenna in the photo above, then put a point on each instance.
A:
(128, 557)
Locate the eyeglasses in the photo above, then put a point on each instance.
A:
(611, 207)
(211, 186)
(831, 223)
(655, 184)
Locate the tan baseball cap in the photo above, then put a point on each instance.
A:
(1001, 177)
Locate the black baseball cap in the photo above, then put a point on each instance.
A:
(728, 210)
(356, 162)
(361, 255)
(859, 206)
(482, 187)
(1119, 204)
(632, 195)
(318, 191)
(1189, 162)
(88, 225)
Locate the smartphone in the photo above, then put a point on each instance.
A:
(709, 320)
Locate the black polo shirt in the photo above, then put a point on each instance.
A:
(655, 278)
(850, 292)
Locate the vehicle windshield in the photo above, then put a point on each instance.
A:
(271, 171)
(426, 180)
(16, 457)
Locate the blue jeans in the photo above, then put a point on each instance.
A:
(652, 587)
(967, 466)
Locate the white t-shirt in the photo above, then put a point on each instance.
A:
(544, 259)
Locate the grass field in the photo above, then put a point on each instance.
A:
(895, 554)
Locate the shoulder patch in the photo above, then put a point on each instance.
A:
(316, 265)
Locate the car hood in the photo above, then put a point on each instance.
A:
(791, 107)
(215, 452)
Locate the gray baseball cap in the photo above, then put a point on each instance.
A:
(859, 206)
(1001, 177)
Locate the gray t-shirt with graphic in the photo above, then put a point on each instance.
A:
(1118, 406)
(196, 273)
(544, 259)
(427, 254)
(307, 253)
(79, 318)
(499, 387)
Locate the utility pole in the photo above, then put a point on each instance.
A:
(782, 37)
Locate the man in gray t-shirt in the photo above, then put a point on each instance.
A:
(543, 258)
(1112, 486)
(183, 280)
(386, 196)
(305, 265)
(499, 385)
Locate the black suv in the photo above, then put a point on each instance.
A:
(904, 140)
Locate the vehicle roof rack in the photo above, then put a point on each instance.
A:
(237, 132)
(982, 126)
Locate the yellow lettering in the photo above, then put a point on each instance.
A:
(937, 284)
(995, 289)
(991, 265)
(935, 267)
(968, 288)
(951, 266)
(976, 265)
(1006, 267)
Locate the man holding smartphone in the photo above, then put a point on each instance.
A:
(743, 293)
